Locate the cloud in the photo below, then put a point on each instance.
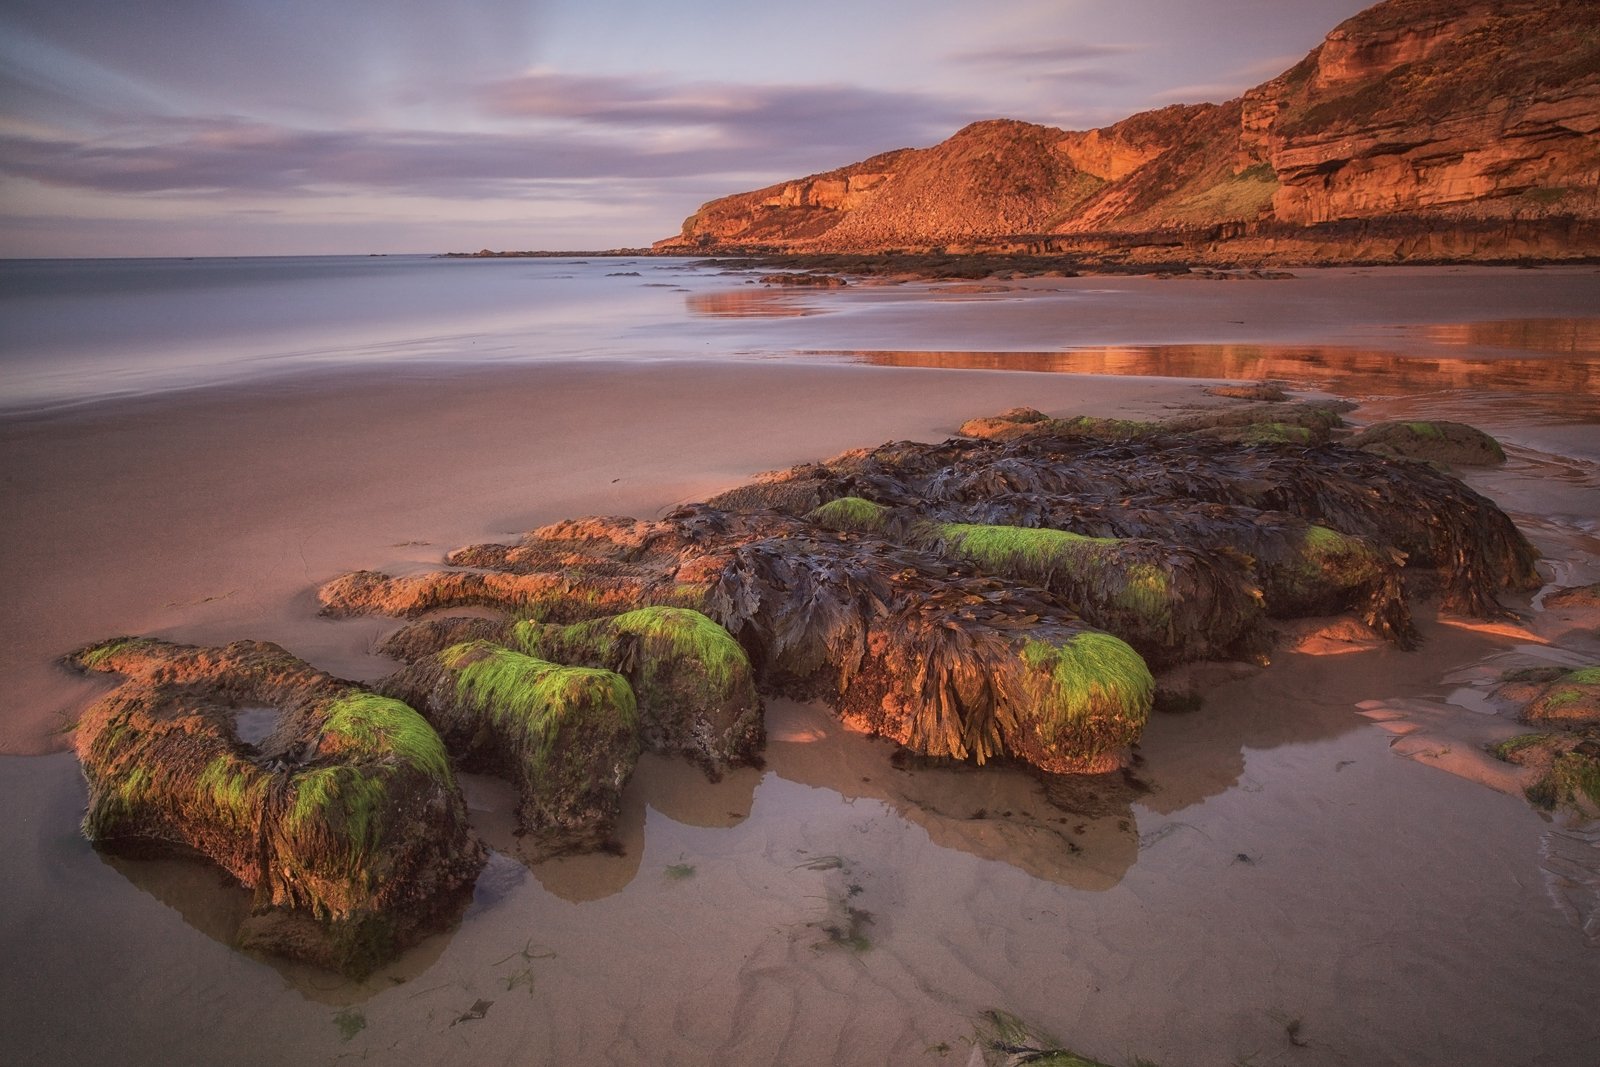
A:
(757, 116)
(1247, 77)
(561, 128)
(1053, 53)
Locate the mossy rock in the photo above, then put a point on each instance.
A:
(1084, 700)
(1328, 572)
(1265, 391)
(1577, 596)
(559, 596)
(1572, 781)
(693, 682)
(1571, 699)
(1451, 444)
(346, 821)
(1292, 423)
(1170, 603)
(567, 737)
(850, 514)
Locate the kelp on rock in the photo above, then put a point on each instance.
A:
(995, 596)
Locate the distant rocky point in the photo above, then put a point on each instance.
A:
(1419, 130)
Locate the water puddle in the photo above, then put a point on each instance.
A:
(1560, 385)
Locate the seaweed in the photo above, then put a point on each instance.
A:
(567, 737)
(849, 513)
(1170, 602)
(350, 827)
(694, 683)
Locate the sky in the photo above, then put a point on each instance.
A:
(299, 127)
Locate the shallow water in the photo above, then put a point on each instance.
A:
(1286, 880)
(76, 331)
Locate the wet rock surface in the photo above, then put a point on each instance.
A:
(346, 821)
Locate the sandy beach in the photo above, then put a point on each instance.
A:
(1324, 871)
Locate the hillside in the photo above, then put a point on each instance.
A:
(1417, 129)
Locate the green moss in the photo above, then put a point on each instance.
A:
(1105, 429)
(690, 635)
(233, 786)
(1585, 676)
(850, 513)
(1001, 547)
(535, 695)
(1000, 1033)
(95, 657)
(380, 726)
(1533, 674)
(1090, 675)
(1324, 541)
(1503, 750)
(1140, 588)
(345, 797)
(686, 634)
(1425, 429)
(1572, 776)
(1276, 433)
(134, 785)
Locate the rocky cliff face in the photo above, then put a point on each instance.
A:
(1414, 117)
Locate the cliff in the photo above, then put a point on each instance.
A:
(1418, 128)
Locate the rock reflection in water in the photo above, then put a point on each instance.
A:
(671, 785)
(751, 303)
(1079, 834)
(1566, 382)
(216, 905)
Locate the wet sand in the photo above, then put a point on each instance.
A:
(1294, 887)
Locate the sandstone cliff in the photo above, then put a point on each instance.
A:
(1418, 128)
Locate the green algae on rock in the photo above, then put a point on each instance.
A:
(346, 821)
(567, 737)
(1089, 697)
(1170, 602)
(850, 513)
(693, 682)
(1571, 698)
(1453, 444)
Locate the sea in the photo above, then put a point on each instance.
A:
(79, 331)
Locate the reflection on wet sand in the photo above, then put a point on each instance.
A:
(1574, 337)
(1566, 385)
(751, 303)
(671, 785)
(1081, 835)
(211, 902)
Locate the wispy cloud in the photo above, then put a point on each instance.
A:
(1238, 81)
(553, 127)
(1046, 53)
(769, 117)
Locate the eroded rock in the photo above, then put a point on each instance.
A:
(346, 820)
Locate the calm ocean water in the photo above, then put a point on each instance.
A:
(77, 330)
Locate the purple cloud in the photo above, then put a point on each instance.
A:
(1043, 53)
(726, 129)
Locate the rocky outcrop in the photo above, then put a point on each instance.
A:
(1445, 130)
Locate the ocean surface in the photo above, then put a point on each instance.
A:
(76, 331)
